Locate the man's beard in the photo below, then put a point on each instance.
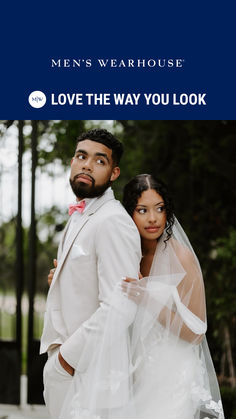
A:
(84, 190)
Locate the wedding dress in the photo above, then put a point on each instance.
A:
(151, 359)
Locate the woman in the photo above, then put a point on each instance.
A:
(173, 269)
(152, 361)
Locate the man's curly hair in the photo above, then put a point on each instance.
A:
(106, 138)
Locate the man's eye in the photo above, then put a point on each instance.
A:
(100, 161)
(80, 157)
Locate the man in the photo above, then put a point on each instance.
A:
(100, 245)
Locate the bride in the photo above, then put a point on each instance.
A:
(152, 360)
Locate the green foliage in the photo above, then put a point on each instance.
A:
(221, 290)
(7, 255)
(225, 264)
(229, 402)
(225, 248)
(59, 141)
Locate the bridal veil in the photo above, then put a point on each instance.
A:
(150, 360)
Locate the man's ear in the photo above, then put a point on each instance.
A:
(115, 173)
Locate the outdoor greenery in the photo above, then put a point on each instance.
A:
(196, 159)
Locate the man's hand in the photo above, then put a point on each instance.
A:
(52, 271)
(65, 365)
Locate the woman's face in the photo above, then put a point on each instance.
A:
(150, 215)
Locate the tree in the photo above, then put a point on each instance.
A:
(223, 291)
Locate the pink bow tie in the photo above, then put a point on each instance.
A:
(78, 207)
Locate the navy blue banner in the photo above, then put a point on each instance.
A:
(119, 61)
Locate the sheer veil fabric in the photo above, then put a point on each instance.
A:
(151, 359)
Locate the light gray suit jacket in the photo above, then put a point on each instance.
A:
(102, 248)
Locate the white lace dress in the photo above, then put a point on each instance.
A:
(172, 381)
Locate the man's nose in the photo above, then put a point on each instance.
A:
(87, 165)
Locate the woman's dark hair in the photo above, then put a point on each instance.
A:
(140, 183)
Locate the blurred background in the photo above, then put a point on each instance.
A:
(197, 161)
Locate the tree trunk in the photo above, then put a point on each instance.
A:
(19, 243)
(32, 237)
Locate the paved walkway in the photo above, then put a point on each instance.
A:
(24, 411)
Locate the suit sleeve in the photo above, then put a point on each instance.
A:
(118, 250)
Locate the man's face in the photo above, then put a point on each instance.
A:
(92, 169)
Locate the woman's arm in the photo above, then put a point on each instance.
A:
(189, 295)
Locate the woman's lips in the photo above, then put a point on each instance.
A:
(152, 229)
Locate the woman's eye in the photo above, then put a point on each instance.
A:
(141, 211)
(160, 209)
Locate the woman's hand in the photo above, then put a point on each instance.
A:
(52, 271)
(133, 288)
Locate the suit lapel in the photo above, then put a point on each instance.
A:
(107, 196)
(98, 203)
(62, 241)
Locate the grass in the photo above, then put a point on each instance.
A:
(8, 324)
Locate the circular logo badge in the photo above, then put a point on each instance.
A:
(37, 99)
